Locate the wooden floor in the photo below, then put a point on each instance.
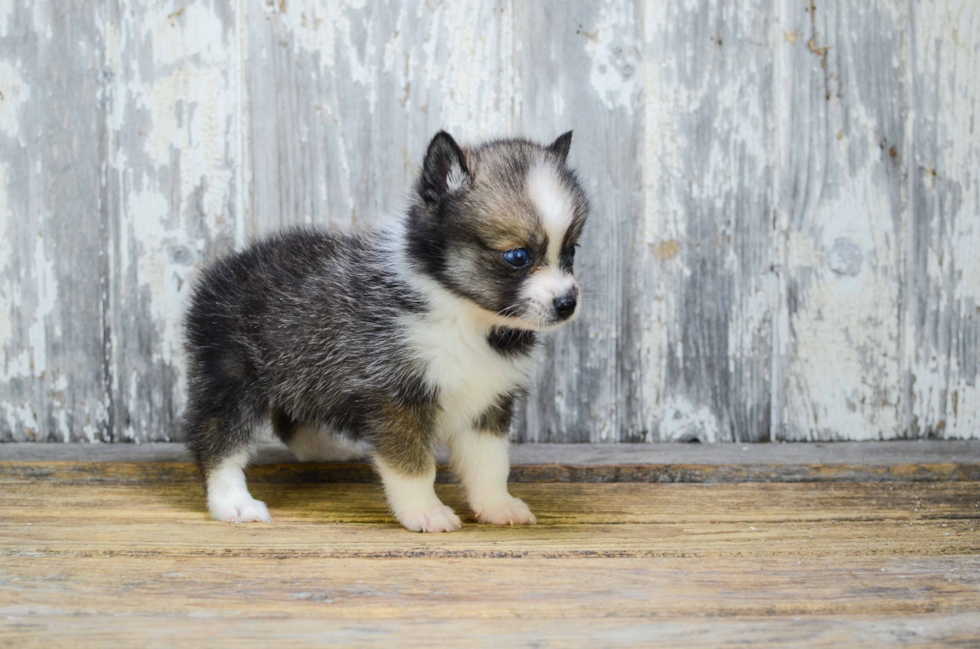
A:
(100, 555)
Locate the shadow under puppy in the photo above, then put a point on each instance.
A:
(420, 332)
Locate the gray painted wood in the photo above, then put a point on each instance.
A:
(173, 192)
(708, 245)
(596, 358)
(55, 378)
(841, 73)
(869, 454)
(787, 209)
(941, 324)
(901, 461)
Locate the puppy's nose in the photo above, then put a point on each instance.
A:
(565, 305)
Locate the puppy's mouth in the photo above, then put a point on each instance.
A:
(532, 316)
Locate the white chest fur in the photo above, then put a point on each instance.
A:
(470, 375)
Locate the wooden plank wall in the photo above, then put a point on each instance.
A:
(786, 237)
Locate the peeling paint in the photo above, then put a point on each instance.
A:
(684, 422)
(616, 59)
(845, 258)
(46, 284)
(705, 222)
(21, 418)
(941, 325)
(8, 287)
(841, 303)
(16, 95)
(667, 250)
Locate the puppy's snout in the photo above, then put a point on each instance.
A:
(565, 304)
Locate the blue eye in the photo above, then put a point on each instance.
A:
(571, 253)
(517, 258)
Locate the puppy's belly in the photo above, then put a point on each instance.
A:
(311, 444)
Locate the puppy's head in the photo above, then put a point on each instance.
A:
(498, 225)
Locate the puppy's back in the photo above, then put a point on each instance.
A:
(235, 296)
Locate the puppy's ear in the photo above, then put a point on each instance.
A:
(560, 146)
(444, 171)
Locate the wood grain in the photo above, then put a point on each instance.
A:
(869, 454)
(587, 71)
(942, 320)
(842, 219)
(358, 472)
(786, 203)
(54, 234)
(171, 173)
(820, 631)
(706, 287)
(110, 564)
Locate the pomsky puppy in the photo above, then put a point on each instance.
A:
(420, 332)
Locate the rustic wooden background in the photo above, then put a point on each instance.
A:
(786, 237)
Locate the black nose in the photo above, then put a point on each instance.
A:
(565, 305)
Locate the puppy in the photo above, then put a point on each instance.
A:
(419, 333)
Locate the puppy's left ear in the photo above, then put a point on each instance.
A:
(444, 171)
(560, 146)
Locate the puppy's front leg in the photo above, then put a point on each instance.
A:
(403, 457)
(413, 499)
(480, 459)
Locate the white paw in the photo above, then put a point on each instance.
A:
(239, 510)
(433, 520)
(506, 512)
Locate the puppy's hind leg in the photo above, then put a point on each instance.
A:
(222, 440)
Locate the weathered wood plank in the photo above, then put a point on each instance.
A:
(707, 289)
(173, 201)
(443, 589)
(841, 151)
(54, 379)
(359, 472)
(942, 317)
(608, 563)
(813, 631)
(574, 504)
(871, 454)
(580, 67)
(152, 518)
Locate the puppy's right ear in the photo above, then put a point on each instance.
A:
(561, 146)
(444, 171)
